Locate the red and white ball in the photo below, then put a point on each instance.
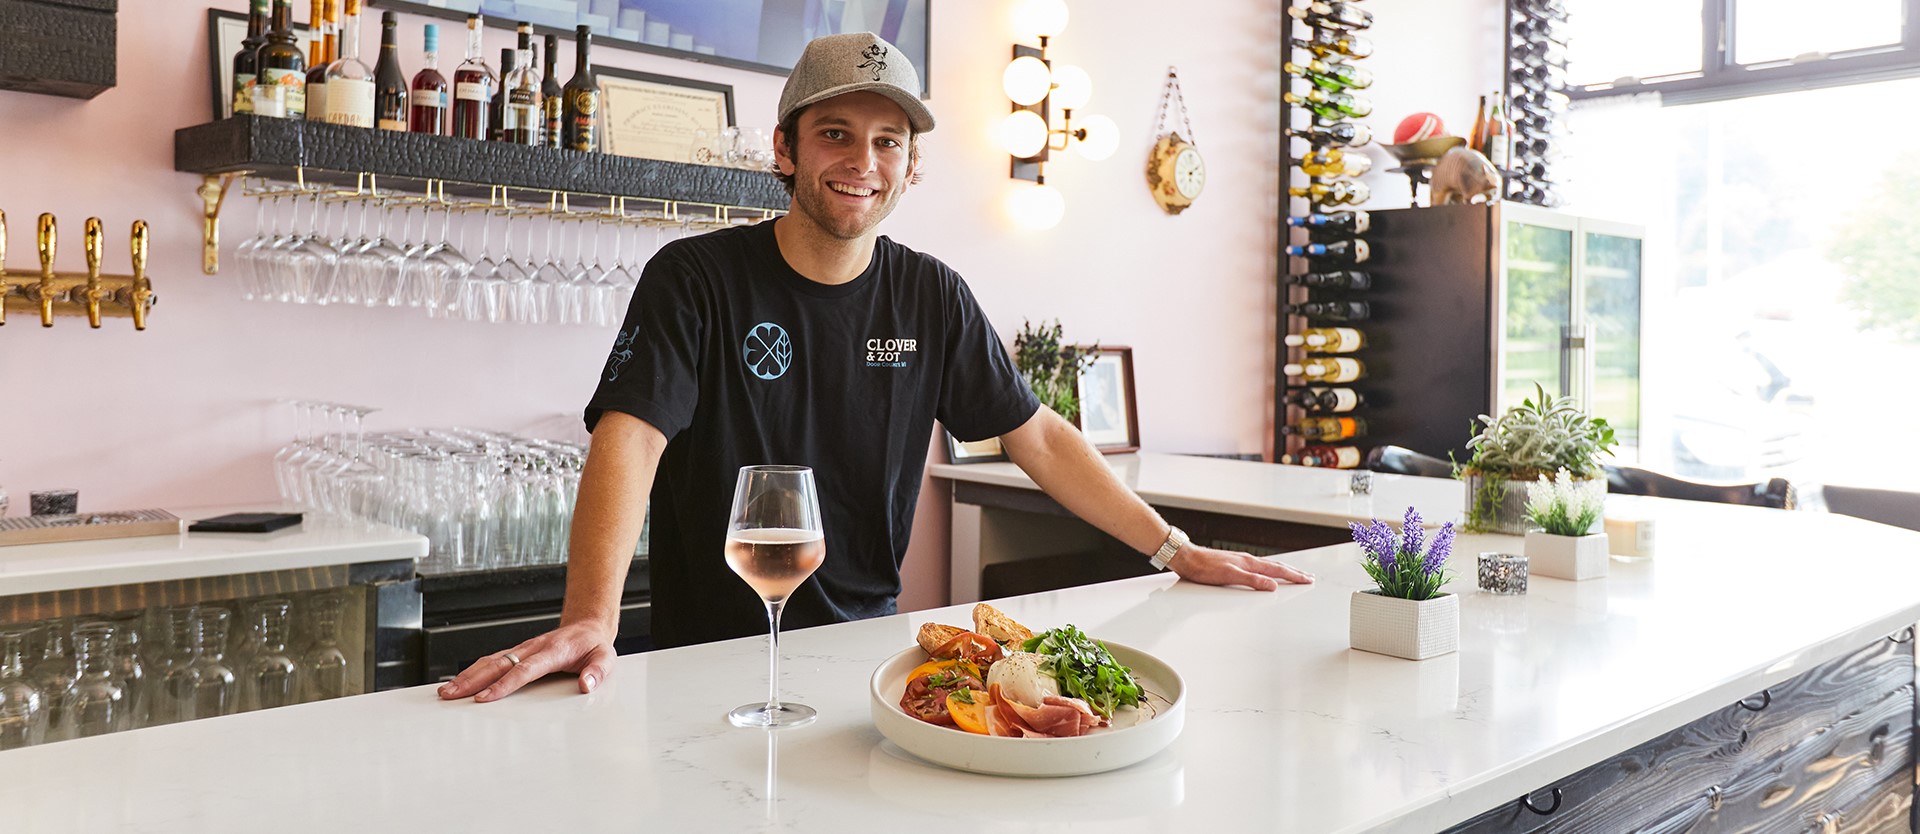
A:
(1417, 127)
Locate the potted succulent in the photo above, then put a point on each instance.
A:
(1051, 368)
(1563, 544)
(1405, 615)
(1540, 436)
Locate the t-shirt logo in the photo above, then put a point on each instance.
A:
(622, 352)
(768, 350)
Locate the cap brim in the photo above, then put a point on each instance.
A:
(917, 113)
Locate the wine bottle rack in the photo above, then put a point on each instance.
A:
(1535, 71)
(1298, 144)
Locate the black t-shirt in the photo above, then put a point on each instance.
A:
(739, 360)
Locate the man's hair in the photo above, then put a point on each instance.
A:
(790, 135)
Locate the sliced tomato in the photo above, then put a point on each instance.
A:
(926, 696)
(935, 666)
(969, 716)
(970, 645)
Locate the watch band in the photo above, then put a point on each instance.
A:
(1176, 539)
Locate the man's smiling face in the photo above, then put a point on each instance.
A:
(851, 161)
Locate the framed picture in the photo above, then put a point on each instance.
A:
(978, 451)
(659, 116)
(760, 35)
(1108, 415)
(225, 31)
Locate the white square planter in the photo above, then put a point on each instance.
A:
(1403, 627)
(1567, 557)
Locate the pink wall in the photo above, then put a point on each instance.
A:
(184, 414)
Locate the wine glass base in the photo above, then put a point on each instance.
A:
(766, 717)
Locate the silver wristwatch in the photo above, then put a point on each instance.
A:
(1176, 539)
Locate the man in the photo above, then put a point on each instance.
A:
(808, 340)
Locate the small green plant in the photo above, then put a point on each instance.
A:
(1051, 368)
(1540, 436)
(1563, 506)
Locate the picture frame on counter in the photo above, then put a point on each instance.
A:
(1109, 415)
(975, 451)
(652, 116)
(225, 31)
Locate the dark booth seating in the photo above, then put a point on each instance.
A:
(1628, 480)
(1403, 461)
(1887, 506)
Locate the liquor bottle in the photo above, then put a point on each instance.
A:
(1328, 429)
(389, 83)
(497, 103)
(349, 82)
(1326, 369)
(428, 109)
(1337, 253)
(1326, 400)
(245, 70)
(582, 97)
(520, 116)
(1345, 280)
(1328, 457)
(1349, 134)
(1328, 339)
(280, 88)
(326, 14)
(473, 84)
(1333, 15)
(1351, 222)
(1332, 107)
(1333, 162)
(1341, 192)
(1325, 42)
(1331, 75)
(552, 100)
(1499, 147)
(1335, 311)
(1477, 138)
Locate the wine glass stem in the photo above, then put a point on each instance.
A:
(773, 655)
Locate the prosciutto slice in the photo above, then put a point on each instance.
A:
(1057, 717)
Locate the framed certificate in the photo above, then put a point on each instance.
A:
(659, 116)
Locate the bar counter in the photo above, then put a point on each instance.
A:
(1287, 729)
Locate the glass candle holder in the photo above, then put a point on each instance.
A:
(1360, 483)
(1503, 573)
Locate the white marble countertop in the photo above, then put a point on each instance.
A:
(39, 568)
(1287, 729)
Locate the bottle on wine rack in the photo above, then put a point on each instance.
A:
(1345, 280)
(1338, 253)
(552, 100)
(1328, 339)
(497, 104)
(427, 101)
(1499, 141)
(1477, 138)
(582, 97)
(1336, 311)
(1331, 75)
(389, 84)
(1351, 221)
(280, 88)
(1349, 134)
(1333, 15)
(520, 116)
(326, 16)
(1328, 429)
(1329, 457)
(1341, 192)
(245, 67)
(1318, 400)
(1333, 162)
(349, 82)
(1325, 42)
(1332, 107)
(473, 85)
(1326, 369)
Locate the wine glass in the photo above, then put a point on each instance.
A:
(774, 542)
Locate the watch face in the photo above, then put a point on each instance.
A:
(1189, 173)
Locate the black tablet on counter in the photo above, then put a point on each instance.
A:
(245, 523)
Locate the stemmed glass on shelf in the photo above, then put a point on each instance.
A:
(774, 542)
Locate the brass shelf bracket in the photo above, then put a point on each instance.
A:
(213, 193)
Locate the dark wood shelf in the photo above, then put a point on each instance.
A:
(279, 149)
(58, 47)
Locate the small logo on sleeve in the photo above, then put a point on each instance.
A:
(768, 350)
(622, 352)
(890, 353)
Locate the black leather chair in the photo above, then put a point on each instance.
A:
(1629, 480)
(1887, 506)
(1400, 460)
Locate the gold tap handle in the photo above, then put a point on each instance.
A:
(4, 286)
(49, 238)
(142, 296)
(95, 246)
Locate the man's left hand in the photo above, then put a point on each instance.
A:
(1209, 566)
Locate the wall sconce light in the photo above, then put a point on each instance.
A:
(1036, 87)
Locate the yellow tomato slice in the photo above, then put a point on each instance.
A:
(933, 666)
(970, 717)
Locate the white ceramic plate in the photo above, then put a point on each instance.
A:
(1093, 753)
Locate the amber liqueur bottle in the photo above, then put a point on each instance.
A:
(582, 97)
(473, 86)
(427, 109)
(326, 47)
(552, 98)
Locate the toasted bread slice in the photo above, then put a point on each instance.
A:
(933, 635)
(998, 626)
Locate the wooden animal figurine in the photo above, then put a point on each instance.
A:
(1464, 176)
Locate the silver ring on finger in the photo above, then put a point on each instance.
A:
(511, 658)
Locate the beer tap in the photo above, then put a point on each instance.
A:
(48, 239)
(140, 293)
(4, 286)
(95, 246)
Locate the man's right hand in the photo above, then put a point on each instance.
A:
(585, 649)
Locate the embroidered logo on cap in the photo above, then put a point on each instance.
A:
(767, 350)
(876, 62)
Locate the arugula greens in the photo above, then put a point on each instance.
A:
(1086, 670)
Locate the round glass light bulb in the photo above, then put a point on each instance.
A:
(1038, 208)
(1045, 18)
(1023, 133)
(1103, 137)
(1072, 86)
(1026, 80)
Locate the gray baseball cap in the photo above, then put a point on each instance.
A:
(838, 64)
